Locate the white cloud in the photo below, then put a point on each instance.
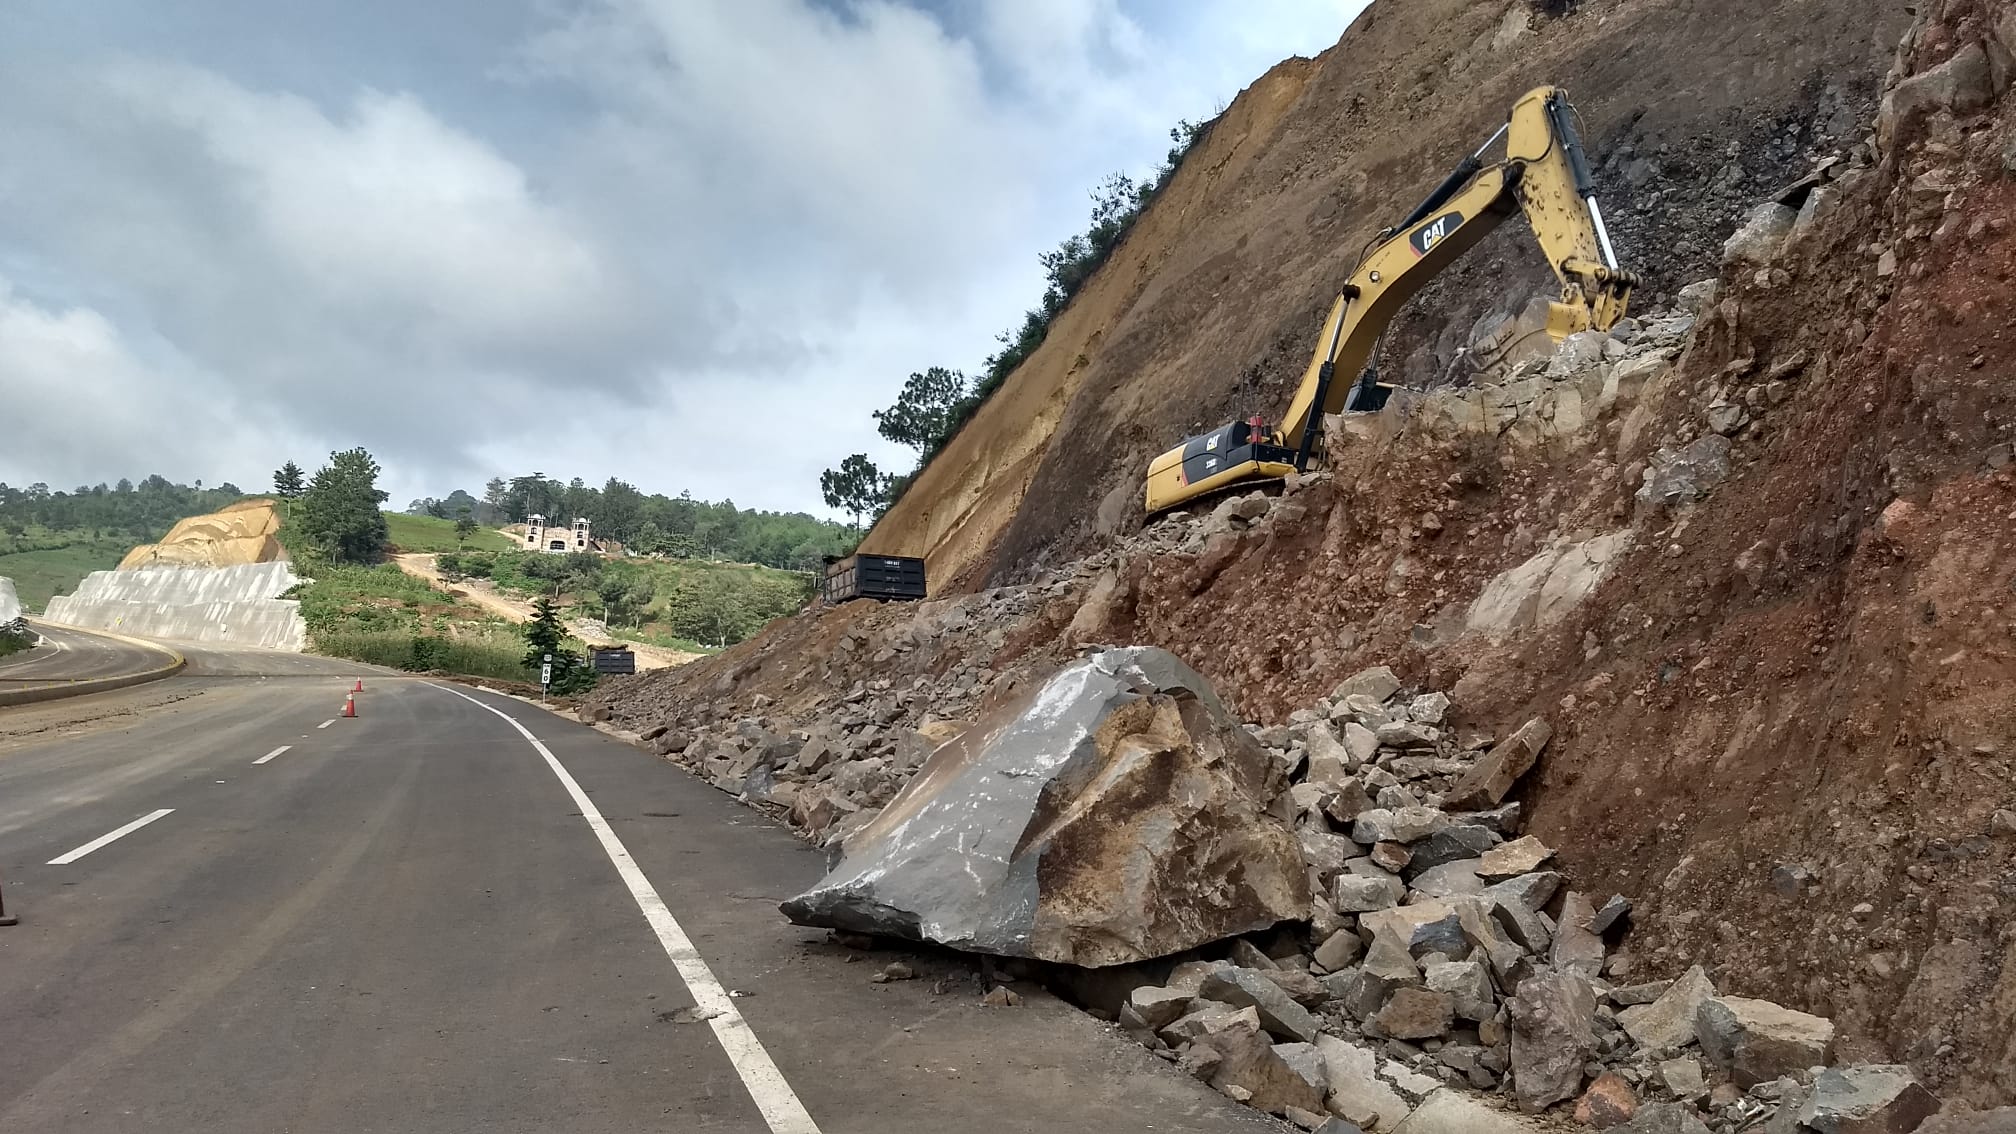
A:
(727, 227)
(70, 377)
(390, 210)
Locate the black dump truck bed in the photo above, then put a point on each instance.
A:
(884, 577)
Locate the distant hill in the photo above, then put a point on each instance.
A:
(431, 534)
(50, 540)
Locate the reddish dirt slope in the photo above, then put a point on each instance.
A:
(1784, 720)
(1693, 107)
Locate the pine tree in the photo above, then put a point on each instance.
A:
(287, 485)
(287, 482)
(856, 487)
(544, 633)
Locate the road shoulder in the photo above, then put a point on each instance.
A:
(86, 662)
(924, 1053)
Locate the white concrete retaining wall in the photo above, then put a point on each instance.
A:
(10, 603)
(190, 604)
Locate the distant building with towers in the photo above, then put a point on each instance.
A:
(540, 537)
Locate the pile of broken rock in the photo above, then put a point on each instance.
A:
(1390, 953)
(1437, 966)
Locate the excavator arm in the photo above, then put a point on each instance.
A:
(1544, 174)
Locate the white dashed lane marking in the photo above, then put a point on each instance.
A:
(114, 836)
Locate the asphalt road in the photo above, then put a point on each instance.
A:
(413, 921)
(68, 655)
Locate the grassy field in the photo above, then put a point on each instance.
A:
(426, 533)
(47, 571)
(383, 616)
(681, 603)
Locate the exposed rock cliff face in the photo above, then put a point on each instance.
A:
(238, 534)
(1694, 110)
(1753, 557)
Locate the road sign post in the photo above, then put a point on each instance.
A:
(546, 676)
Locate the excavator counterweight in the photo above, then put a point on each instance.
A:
(1544, 174)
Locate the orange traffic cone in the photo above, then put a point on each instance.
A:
(359, 687)
(349, 704)
(5, 918)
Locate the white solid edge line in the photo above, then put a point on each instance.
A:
(327, 723)
(270, 755)
(101, 840)
(780, 1107)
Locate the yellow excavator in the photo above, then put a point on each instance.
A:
(1545, 173)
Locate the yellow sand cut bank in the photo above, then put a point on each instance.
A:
(241, 533)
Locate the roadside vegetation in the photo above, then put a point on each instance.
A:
(936, 403)
(684, 604)
(357, 607)
(383, 616)
(13, 643)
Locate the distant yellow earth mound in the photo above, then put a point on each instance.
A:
(245, 532)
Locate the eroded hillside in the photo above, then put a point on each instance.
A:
(1752, 556)
(1694, 109)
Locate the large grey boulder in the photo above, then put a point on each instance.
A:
(1491, 778)
(1685, 475)
(1756, 1041)
(1272, 1077)
(1872, 1099)
(1116, 813)
(1760, 238)
(1249, 988)
(1962, 84)
(1553, 1032)
(1669, 1020)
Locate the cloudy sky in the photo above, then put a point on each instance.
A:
(691, 243)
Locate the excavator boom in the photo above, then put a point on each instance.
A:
(1544, 174)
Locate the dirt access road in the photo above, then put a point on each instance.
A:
(483, 594)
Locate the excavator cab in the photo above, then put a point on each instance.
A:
(1225, 456)
(1544, 174)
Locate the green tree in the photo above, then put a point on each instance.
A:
(857, 487)
(287, 485)
(495, 494)
(923, 416)
(619, 511)
(465, 526)
(339, 512)
(544, 634)
(615, 594)
(287, 482)
(638, 597)
(714, 610)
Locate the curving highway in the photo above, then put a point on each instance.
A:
(241, 912)
(68, 657)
